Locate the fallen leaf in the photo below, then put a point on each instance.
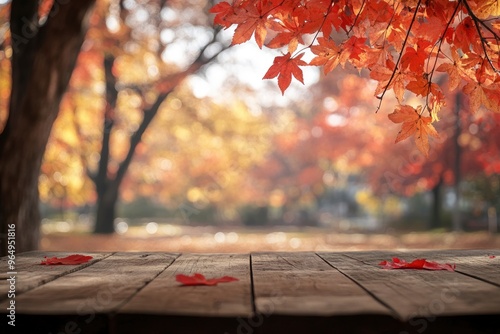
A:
(416, 264)
(199, 279)
(492, 256)
(71, 259)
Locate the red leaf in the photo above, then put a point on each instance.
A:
(492, 256)
(416, 264)
(71, 260)
(223, 10)
(199, 279)
(284, 67)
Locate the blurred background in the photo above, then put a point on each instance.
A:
(168, 139)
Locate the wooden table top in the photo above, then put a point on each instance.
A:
(306, 292)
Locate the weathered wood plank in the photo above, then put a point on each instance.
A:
(99, 288)
(30, 274)
(304, 284)
(417, 293)
(166, 296)
(475, 263)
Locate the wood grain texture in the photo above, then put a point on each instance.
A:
(30, 274)
(417, 293)
(475, 263)
(166, 296)
(290, 293)
(304, 284)
(99, 288)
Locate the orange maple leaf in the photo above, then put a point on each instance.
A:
(414, 124)
(398, 83)
(465, 34)
(414, 57)
(487, 8)
(452, 70)
(223, 10)
(354, 47)
(250, 20)
(482, 95)
(327, 54)
(284, 67)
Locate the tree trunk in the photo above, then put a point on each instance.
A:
(106, 209)
(437, 204)
(42, 62)
(108, 184)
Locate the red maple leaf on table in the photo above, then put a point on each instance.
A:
(70, 260)
(199, 279)
(416, 264)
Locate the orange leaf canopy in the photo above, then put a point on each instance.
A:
(401, 43)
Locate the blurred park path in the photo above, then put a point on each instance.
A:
(211, 240)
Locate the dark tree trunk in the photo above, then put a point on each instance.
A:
(437, 204)
(107, 190)
(42, 62)
(106, 209)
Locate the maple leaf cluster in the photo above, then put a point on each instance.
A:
(401, 43)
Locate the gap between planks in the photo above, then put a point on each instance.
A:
(98, 288)
(418, 293)
(31, 274)
(303, 284)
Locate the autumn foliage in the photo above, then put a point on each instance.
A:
(405, 45)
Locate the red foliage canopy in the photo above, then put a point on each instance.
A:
(401, 43)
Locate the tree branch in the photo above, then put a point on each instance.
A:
(431, 74)
(101, 178)
(381, 97)
(476, 21)
(81, 155)
(152, 111)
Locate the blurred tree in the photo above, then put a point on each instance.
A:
(342, 136)
(43, 43)
(146, 24)
(196, 149)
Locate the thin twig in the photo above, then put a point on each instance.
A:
(431, 73)
(381, 97)
(476, 21)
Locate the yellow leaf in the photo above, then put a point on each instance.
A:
(487, 8)
(424, 130)
(482, 96)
